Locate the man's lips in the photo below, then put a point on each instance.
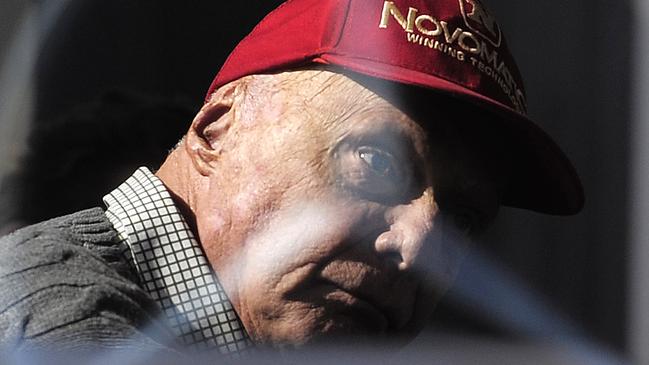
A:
(390, 293)
(351, 304)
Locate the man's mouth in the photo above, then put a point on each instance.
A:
(341, 302)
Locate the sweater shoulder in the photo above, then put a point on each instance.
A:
(88, 234)
(86, 226)
(68, 272)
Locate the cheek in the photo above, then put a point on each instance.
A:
(228, 220)
(281, 259)
(296, 236)
(252, 199)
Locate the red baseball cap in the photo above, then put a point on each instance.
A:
(452, 46)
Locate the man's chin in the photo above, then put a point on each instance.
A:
(342, 332)
(343, 344)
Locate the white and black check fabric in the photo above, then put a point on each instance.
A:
(171, 266)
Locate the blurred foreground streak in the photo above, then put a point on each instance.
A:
(581, 268)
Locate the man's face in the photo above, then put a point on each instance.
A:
(332, 212)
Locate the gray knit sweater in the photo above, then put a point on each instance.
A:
(65, 287)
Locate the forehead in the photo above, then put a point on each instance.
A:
(350, 98)
(338, 101)
(454, 139)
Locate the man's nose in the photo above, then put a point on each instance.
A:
(411, 229)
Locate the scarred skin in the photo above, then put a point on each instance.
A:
(317, 202)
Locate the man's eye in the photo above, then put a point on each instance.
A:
(374, 172)
(380, 162)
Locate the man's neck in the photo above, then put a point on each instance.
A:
(174, 175)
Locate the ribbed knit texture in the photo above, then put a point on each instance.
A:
(65, 287)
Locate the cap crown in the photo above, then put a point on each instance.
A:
(429, 42)
(453, 46)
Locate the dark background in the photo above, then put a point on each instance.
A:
(574, 56)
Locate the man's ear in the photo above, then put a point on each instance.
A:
(211, 124)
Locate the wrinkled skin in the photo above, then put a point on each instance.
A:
(319, 204)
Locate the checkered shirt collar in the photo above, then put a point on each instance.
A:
(171, 266)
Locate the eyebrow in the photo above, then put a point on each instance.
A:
(394, 136)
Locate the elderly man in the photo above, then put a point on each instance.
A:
(344, 154)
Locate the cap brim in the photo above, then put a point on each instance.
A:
(543, 178)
